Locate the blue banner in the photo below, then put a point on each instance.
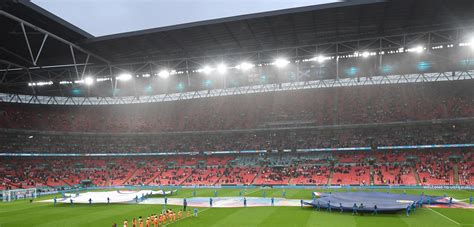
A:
(425, 146)
(232, 152)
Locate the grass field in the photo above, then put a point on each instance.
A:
(24, 213)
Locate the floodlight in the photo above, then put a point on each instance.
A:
(222, 68)
(207, 69)
(88, 81)
(365, 54)
(164, 74)
(319, 59)
(245, 66)
(124, 77)
(417, 49)
(280, 62)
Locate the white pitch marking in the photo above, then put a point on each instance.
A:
(442, 215)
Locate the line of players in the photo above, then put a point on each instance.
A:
(155, 220)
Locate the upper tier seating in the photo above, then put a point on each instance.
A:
(329, 106)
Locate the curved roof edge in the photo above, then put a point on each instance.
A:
(237, 18)
(55, 18)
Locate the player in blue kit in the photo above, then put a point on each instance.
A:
(354, 209)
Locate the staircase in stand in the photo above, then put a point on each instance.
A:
(330, 177)
(417, 177)
(371, 175)
(456, 174)
(156, 175)
(184, 179)
(132, 174)
(218, 179)
(256, 175)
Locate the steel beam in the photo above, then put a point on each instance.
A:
(28, 43)
(41, 48)
(320, 46)
(74, 59)
(265, 88)
(5, 74)
(23, 23)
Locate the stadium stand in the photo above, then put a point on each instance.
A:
(432, 167)
(337, 106)
(333, 137)
(335, 118)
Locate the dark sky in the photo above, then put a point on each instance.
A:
(104, 17)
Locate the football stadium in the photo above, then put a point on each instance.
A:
(345, 113)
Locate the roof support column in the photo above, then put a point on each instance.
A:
(5, 73)
(85, 66)
(74, 60)
(113, 82)
(28, 43)
(297, 66)
(40, 49)
(187, 73)
(337, 61)
(31, 81)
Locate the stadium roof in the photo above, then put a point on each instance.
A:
(13, 47)
(297, 27)
(283, 28)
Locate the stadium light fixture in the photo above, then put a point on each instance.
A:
(221, 68)
(245, 66)
(40, 83)
(207, 69)
(417, 49)
(65, 82)
(124, 77)
(319, 59)
(280, 62)
(164, 74)
(365, 54)
(88, 81)
(103, 79)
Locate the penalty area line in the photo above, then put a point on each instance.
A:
(444, 216)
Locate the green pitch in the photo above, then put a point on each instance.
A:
(24, 213)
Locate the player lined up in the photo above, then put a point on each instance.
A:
(155, 220)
